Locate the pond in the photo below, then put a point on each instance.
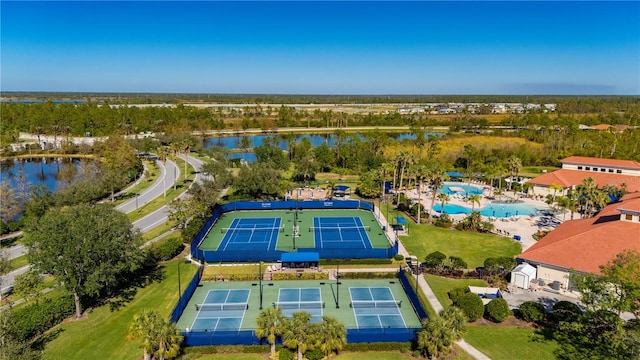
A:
(235, 142)
(24, 172)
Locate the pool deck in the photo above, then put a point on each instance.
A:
(524, 226)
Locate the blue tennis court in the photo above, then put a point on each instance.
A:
(376, 307)
(251, 234)
(221, 310)
(292, 300)
(340, 232)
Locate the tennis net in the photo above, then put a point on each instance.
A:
(375, 304)
(340, 228)
(253, 230)
(299, 304)
(222, 306)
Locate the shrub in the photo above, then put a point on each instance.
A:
(532, 311)
(471, 305)
(565, 311)
(435, 259)
(398, 257)
(315, 354)
(378, 346)
(167, 249)
(33, 320)
(457, 263)
(497, 310)
(285, 354)
(499, 264)
(192, 228)
(456, 293)
(444, 221)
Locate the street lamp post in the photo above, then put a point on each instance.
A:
(338, 286)
(260, 282)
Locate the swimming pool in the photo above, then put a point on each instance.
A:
(495, 210)
(459, 188)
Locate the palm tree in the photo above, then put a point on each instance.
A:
(436, 337)
(405, 159)
(143, 327)
(514, 164)
(456, 320)
(563, 203)
(270, 322)
(444, 198)
(555, 187)
(333, 335)
(299, 333)
(174, 148)
(436, 178)
(168, 340)
(474, 199)
(186, 147)
(421, 174)
(163, 154)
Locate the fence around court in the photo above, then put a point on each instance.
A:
(248, 337)
(412, 295)
(273, 255)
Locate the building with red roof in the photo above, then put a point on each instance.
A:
(586, 244)
(577, 168)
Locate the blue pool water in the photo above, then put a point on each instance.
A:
(495, 210)
(446, 188)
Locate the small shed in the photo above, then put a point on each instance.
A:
(522, 275)
(300, 260)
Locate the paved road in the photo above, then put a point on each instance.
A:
(168, 176)
(161, 215)
(6, 282)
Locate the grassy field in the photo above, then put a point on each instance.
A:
(510, 342)
(473, 248)
(441, 286)
(534, 171)
(230, 357)
(101, 333)
(19, 262)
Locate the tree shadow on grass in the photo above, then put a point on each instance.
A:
(129, 284)
(40, 343)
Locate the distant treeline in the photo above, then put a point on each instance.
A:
(566, 103)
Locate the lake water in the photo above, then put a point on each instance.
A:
(235, 142)
(35, 171)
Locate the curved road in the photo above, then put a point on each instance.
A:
(161, 215)
(168, 176)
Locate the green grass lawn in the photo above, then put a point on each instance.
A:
(535, 171)
(441, 286)
(230, 357)
(510, 342)
(101, 334)
(473, 248)
(371, 355)
(20, 261)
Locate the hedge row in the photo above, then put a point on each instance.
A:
(368, 275)
(30, 321)
(355, 261)
(166, 249)
(300, 276)
(378, 346)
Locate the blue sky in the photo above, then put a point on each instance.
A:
(452, 47)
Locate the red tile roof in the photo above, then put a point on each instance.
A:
(567, 178)
(582, 160)
(586, 244)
